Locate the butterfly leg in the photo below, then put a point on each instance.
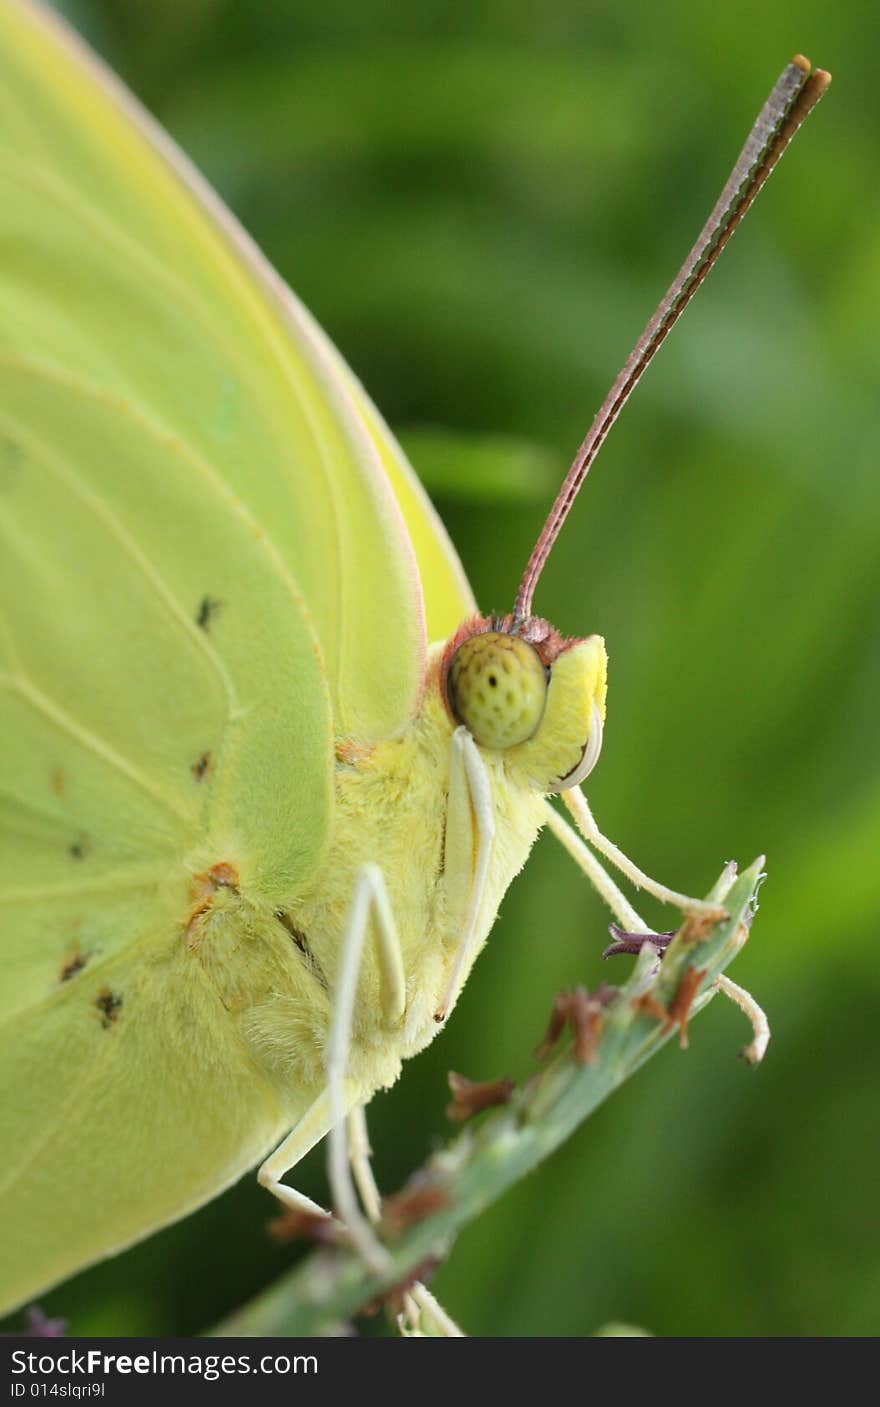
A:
(609, 891)
(328, 1113)
(626, 914)
(595, 872)
(370, 901)
(359, 1154)
(470, 832)
(418, 1298)
(417, 1302)
(579, 808)
(311, 1128)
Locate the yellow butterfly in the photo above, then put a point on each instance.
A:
(266, 773)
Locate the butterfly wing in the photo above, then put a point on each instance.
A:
(196, 535)
(447, 594)
(113, 1126)
(141, 746)
(126, 266)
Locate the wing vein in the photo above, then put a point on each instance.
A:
(144, 565)
(92, 218)
(156, 271)
(58, 718)
(124, 881)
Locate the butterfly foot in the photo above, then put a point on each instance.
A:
(294, 1225)
(421, 1316)
(471, 1097)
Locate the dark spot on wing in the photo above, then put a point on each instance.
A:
(72, 965)
(302, 943)
(208, 610)
(109, 1004)
(56, 781)
(79, 848)
(201, 766)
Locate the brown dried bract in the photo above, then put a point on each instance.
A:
(696, 927)
(584, 1013)
(413, 1204)
(291, 1225)
(392, 1300)
(680, 1006)
(471, 1097)
(648, 1005)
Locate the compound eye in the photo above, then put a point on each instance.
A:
(497, 687)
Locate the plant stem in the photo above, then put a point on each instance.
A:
(320, 1293)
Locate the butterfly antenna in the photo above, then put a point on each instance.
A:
(796, 93)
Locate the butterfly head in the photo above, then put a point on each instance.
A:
(514, 682)
(521, 689)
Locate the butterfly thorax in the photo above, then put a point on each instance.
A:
(393, 809)
(396, 806)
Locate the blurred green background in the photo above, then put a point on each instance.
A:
(482, 203)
